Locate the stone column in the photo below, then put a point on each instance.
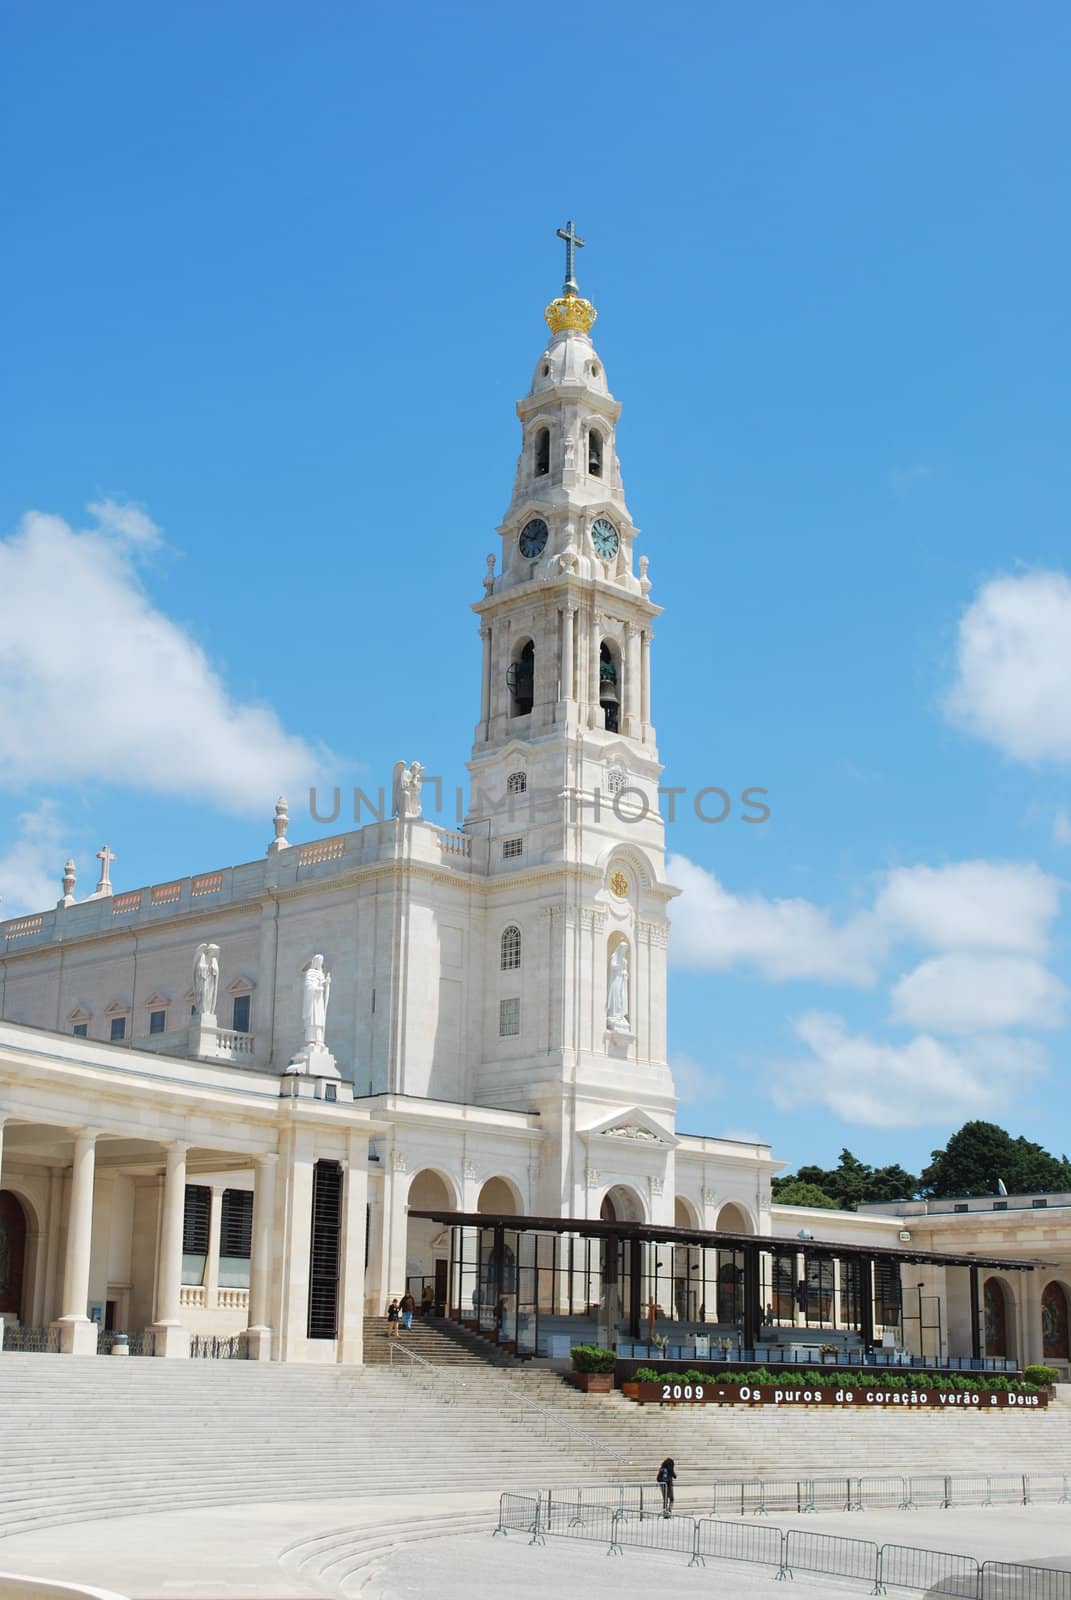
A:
(566, 690)
(645, 692)
(632, 688)
(172, 1339)
(351, 1287)
(1033, 1336)
(263, 1008)
(78, 1335)
(215, 1219)
(258, 1333)
(485, 683)
(593, 669)
(52, 1243)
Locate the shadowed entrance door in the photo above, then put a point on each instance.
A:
(12, 1253)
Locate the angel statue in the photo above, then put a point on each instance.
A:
(205, 979)
(406, 789)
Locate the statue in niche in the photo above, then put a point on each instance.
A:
(617, 1006)
(315, 995)
(205, 979)
(407, 784)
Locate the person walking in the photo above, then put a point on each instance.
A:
(666, 1474)
(393, 1316)
(408, 1306)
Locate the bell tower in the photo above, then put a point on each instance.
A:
(564, 767)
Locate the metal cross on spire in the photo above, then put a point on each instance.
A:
(572, 240)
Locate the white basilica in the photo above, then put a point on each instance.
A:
(225, 1100)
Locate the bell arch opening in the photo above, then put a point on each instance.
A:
(610, 685)
(541, 453)
(521, 679)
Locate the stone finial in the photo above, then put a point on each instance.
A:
(105, 857)
(489, 576)
(69, 880)
(645, 582)
(281, 823)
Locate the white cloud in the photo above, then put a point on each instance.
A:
(971, 905)
(715, 930)
(32, 866)
(693, 1081)
(96, 683)
(1014, 667)
(912, 1085)
(976, 993)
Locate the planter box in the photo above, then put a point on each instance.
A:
(631, 1390)
(597, 1382)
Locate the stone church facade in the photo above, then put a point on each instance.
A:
(198, 1140)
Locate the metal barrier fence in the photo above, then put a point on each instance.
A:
(759, 1496)
(209, 1347)
(618, 1518)
(32, 1341)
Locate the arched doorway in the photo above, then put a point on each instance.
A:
(995, 1303)
(427, 1244)
(689, 1289)
(1054, 1323)
(732, 1218)
(498, 1198)
(12, 1253)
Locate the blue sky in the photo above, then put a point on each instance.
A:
(275, 279)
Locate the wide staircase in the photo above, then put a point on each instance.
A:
(98, 1437)
(444, 1344)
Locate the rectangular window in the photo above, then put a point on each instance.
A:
(509, 1018)
(81, 1030)
(512, 847)
(1039, 1205)
(325, 1250)
(157, 1021)
(960, 1208)
(118, 1029)
(240, 1013)
(196, 1218)
(1000, 1205)
(235, 1238)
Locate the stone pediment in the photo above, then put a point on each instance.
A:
(631, 1127)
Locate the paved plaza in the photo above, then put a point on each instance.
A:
(401, 1546)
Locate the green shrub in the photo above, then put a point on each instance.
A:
(1041, 1376)
(645, 1375)
(592, 1358)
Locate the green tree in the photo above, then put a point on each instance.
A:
(795, 1192)
(980, 1154)
(851, 1183)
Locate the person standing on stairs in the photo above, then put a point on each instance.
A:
(666, 1474)
(393, 1316)
(407, 1308)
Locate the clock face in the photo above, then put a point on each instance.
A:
(604, 538)
(533, 538)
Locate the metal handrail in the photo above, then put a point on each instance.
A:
(550, 1416)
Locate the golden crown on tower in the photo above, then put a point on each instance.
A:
(570, 311)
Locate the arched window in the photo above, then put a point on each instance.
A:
(595, 452)
(609, 698)
(510, 949)
(521, 679)
(517, 783)
(541, 453)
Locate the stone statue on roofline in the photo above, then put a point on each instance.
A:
(314, 1059)
(406, 787)
(206, 981)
